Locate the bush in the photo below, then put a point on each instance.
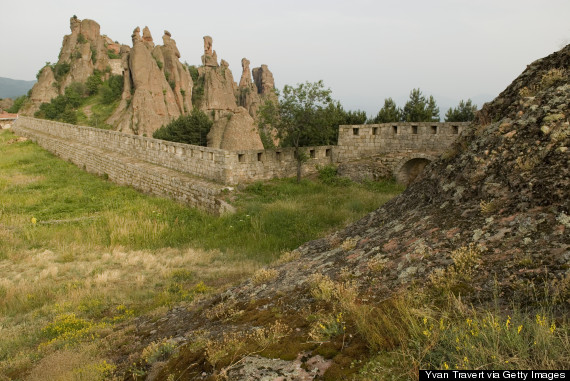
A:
(189, 129)
(93, 83)
(18, 102)
(329, 175)
(112, 89)
(60, 70)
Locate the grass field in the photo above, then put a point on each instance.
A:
(79, 255)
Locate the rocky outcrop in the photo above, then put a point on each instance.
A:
(156, 86)
(82, 52)
(235, 130)
(209, 58)
(263, 79)
(43, 91)
(153, 102)
(252, 94)
(176, 74)
(503, 191)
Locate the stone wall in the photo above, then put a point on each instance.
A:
(359, 141)
(222, 166)
(196, 175)
(125, 170)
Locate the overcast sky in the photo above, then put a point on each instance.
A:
(365, 51)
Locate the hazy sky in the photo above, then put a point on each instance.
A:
(363, 50)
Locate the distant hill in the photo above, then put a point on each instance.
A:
(12, 88)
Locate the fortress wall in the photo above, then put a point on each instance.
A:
(248, 166)
(227, 167)
(144, 177)
(183, 171)
(195, 160)
(359, 141)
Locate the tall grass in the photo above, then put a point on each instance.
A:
(75, 248)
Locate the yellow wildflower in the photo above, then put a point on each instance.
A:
(519, 329)
(508, 322)
(34, 220)
(445, 365)
(552, 327)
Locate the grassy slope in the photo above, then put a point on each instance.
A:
(79, 255)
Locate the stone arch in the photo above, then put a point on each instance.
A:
(407, 169)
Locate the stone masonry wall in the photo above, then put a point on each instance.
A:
(222, 166)
(140, 175)
(359, 141)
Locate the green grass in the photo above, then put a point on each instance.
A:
(75, 247)
(71, 206)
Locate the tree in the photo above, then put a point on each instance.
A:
(464, 112)
(388, 113)
(305, 115)
(420, 109)
(352, 117)
(18, 103)
(189, 129)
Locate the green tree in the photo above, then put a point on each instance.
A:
(388, 113)
(93, 83)
(305, 115)
(112, 89)
(189, 129)
(420, 109)
(18, 103)
(351, 117)
(464, 112)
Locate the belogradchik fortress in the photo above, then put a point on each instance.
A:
(158, 88)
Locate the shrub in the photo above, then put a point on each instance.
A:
(93, 83)
(81, 39)
(60, 70)
(189, 129)
(112, 55)
(112, 89)
(18, 103)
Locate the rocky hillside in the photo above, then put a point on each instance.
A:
(488, 222)
(157, 87)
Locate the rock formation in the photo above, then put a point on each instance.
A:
(233, 127)
(252, 94)
(82, 52)
(209, 58)
(156, 86)
(500, 196)
(154, 101)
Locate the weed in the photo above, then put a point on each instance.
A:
(455, 278)
(158, 351)
(262, 276)
(349, 243)
(552, 77)
(286, 257)
(489, 207)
